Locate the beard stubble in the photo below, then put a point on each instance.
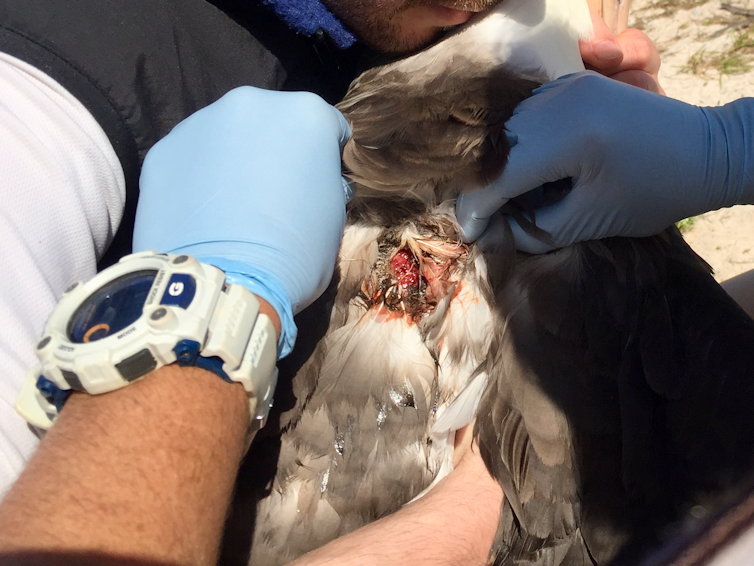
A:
(378, 23)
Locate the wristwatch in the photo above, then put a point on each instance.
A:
(148, 310)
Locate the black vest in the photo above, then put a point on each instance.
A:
(141, 66)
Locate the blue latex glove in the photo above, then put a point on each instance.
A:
(639, 161)
(252, 184)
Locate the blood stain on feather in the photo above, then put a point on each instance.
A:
(410, 277)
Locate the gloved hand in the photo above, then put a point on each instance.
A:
(639, 161)
(252, 184)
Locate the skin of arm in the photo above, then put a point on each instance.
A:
(741, 288)
(455, 523)
(141, 475)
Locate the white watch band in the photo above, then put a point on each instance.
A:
(244, 339)
(189, 316)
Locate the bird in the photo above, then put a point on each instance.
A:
(609, 381)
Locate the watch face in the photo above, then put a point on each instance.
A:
(111, 308)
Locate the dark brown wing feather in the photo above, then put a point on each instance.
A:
(646, 359)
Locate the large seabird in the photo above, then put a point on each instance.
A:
(611, 381)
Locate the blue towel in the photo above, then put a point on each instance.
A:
(307, 16)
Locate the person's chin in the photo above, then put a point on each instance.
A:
(444, 17)
(414, 28)
(401, 41)
(411, 42)
(420, 26)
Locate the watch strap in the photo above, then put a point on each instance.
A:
(213, 325)
(240, 348)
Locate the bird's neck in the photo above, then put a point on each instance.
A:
(538, 38)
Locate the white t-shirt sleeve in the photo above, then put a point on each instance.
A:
(63, 195)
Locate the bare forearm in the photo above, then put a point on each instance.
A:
(141, 475)
(454, 523)
(145, 472)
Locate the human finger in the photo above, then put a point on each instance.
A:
(624, 57)
(526, 170)
(526, 242)
(639, 52)
(575, 218)
(601, 52)
(639, 79)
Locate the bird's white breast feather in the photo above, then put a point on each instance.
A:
(536, 35)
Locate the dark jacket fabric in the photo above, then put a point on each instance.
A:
(142, 66)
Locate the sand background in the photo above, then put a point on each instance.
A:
(707, 59)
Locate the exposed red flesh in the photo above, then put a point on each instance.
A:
(405, 269)
(412, 281)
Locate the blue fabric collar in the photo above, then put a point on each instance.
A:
(307, 16)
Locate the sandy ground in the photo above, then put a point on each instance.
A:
(706, 51)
